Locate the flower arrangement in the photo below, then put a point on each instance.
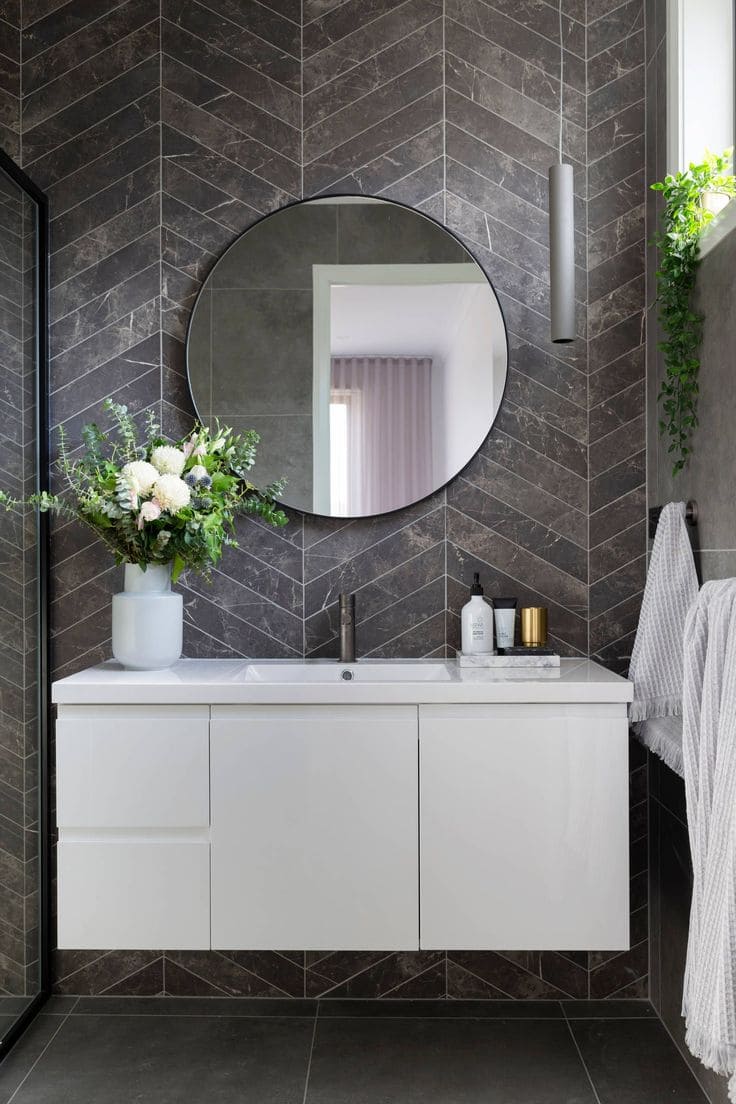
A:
(153, 502)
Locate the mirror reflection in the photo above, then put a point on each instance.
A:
(364, 344)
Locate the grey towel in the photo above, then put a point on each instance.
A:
(709, 749)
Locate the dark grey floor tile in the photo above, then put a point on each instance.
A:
(413, 1061)
(443, 1009)
(12, 1006)
(170, 1059)
(634, 1062)
(25, 1052)
(59, 1006)
(608, 1010)
(6, 1021)
(258, 1007)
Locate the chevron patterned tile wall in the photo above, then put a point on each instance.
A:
(162, 129)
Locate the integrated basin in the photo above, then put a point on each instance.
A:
(331, 671)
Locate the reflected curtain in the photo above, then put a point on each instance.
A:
(389, 423)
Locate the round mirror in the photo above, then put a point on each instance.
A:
(363, 343)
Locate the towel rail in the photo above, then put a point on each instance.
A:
(691, 516)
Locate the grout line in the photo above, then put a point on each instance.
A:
(347, 107)
(111, 322)
(40, 1056)
(92, 234)
(493, 494)
(379, 123)
(311, 1052)
(114, 184)
(177, 160)
(223, 122)
(278, 50)
(580, 1055)
(126, 73)
(106, 292)
(369, 57)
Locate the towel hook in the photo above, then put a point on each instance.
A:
(691, 516)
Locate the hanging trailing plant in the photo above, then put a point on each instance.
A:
(684, 218)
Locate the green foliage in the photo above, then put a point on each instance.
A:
(153, 502)
(683, 221)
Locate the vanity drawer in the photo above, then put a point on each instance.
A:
(134, 894)
(133, 767)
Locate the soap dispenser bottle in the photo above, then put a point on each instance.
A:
(477, 622)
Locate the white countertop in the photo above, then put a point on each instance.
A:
(227, 682)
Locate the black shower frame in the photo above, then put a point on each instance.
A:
(8, 166)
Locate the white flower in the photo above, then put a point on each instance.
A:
(150, 511)
(199, 450)
(168, 460)
(141, 474)
(199, 471)
(171, 493)
(188, 446)
(218, 444)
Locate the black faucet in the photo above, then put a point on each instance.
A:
(347, 628)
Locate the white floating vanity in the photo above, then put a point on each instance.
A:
(379, 806)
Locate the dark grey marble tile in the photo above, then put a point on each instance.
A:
(106, 1058)
(617, 482)
(616, 201)
(611, 64)
(616, 270)
(633, 1062)
(405, 123)
(608, 1009)
(370, 975)
(617, 973)
(616, 446)
(402, 63)
(137, 184)
(253, 35)
(440, 1009)
(619, 585)
(516, 491)
(371, 44)
(375, 1060)
(233, 92)
(613, 26)
(497, 516)
(243, 149)
(60, 43)
(261, 1007)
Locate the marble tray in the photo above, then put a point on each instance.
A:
(507, 661)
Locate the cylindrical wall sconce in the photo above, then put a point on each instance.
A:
(561, 253)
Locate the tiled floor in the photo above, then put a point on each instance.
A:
(175, 1050)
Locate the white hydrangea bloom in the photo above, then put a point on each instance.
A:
(168, 460)
(171, 493)
(142, 474)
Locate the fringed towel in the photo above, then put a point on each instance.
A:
(709, 752)
(656, 659)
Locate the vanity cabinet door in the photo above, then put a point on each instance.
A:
(524, 827)
(314, 827)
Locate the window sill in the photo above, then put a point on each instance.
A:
(718, 229)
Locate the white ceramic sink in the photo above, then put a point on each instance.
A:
(330, 671)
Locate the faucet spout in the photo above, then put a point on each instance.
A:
(347, 628)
